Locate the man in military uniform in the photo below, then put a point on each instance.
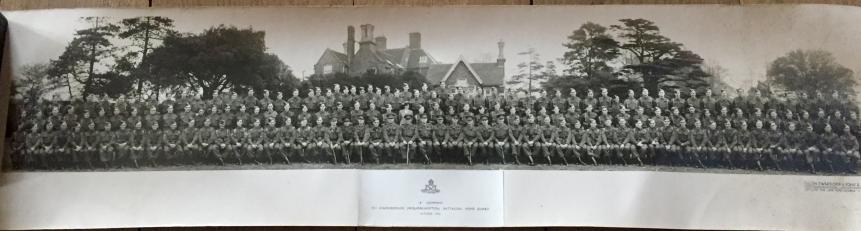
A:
(759, 143)
(562, 139)
(47, 146)
(642, 142)
(595, 141)
(288, 135)
(848, 150)
(303, 140)
(471, 138)
(237, 140)
(646, 101)
(440, 132)
(651, 141)
(827, 144)
(573, 100)
(152, 142)
(391, 137)
(360, 138)
(268, 141)
(208, 140)
(516, 137)
(63, 142)
(546, 140)
(590, 101)
(189, 142)
(170, 142)
(377, 139)
(725, 140)
(699, 143)
(332, 140)
(136, 143)
(708, 101)
(498, 137)
(484, 144)
(774, 151)
(425, 138)
(681, 143)
(407, 138)
(631, 102)
(453, 141)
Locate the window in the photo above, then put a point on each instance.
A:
(327, 69)
(423, 59)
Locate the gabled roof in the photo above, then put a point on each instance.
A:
(468, 67)
(491, 73)
(487, 74)
(437, 72)
(408, 57)
(338, 55)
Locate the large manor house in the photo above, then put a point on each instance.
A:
(375, 57)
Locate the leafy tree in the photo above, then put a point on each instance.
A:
(810, 70)
(528, 71)
(590, 50)
(145, 33)
(682, 70)
(718, 76)
(34, 82)
(90, 47)
(220, 58)
(550, 70)
(656, 58)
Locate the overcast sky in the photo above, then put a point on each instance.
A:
(741, 39)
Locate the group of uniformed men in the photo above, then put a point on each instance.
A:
(372, 125)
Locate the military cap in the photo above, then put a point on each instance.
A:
(423, 116)
(439, 117)
(468, 118)
(408, 117)
(390, 116)
(483, 118)
(360, 117)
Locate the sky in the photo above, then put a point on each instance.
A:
(743, 40)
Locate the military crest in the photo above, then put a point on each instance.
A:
(430, 187)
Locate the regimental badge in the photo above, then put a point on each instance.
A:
(430, 187)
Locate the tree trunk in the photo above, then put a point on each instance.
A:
(143, 57)
(207, 92)
(650, 82)
(69, 86)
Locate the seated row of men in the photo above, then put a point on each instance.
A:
(514, 137)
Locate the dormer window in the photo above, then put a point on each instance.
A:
(423, 59)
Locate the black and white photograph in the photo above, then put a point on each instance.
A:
(611, 93)
(681, 117)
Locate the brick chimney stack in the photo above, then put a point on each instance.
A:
(381, 42)
(350, 45)
(500, 61)
(367, 41)
(416, 40)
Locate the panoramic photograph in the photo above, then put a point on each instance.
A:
(135, 91)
